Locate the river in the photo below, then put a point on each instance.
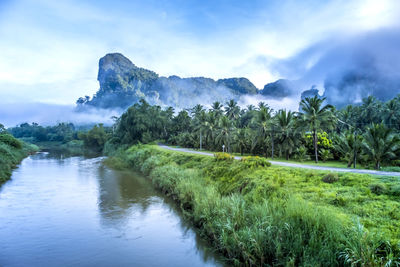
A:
(69, 211)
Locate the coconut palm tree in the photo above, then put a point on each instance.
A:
(392, 112)
(241, 138)
(224, 132)
(315, 117)
(348, 144)
(285, 122)
(216, 108)
(263, 123)
(232, 110)
(199, 122)
(380, 144)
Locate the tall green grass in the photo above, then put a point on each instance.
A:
(274, 216)
(12, 151)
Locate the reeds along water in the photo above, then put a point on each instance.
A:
(257, 216)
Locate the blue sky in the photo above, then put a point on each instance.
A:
(50, 49)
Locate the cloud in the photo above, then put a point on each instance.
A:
(349, 69)
(50, 49)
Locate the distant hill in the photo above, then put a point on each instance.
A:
(122, 84)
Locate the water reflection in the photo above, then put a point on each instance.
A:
(61, 210)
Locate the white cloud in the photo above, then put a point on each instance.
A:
(50, 49)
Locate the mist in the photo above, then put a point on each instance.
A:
(348, 68)
(12, 114)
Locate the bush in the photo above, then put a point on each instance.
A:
(395, 190)
(377, 189)
(330, 178)
(10, 140)
(222, 156)
(255, 162)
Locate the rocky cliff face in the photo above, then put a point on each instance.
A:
(278, 89)
(122, 84)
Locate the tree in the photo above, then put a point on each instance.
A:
(263, 122)
(232, 110)
(380, 144)
(348, 144)
(216, 108)
(241, 138)
(2, 128)
(224, 132)
(95, 138)
(285, 122)
(315, 117)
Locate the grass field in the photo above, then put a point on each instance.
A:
(259, 215)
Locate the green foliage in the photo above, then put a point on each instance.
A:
(221, 156)
(301, 154)
(10, 140)
(325, 154)
(12, 151)
(62, 132)
(95, 139)
(378, 189)
(330, 178)
(380, 144)
(315, 118)
(278, 216)
(255, 162)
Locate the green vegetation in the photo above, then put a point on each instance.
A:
(12, 151)
(362, 135)
(64, 137)
(257, 214)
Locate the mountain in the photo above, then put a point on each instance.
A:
(280, 88)
(122, 83)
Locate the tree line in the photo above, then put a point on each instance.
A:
(366, 133)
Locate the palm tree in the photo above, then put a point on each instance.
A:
(286, 131)
(209, 127)
(371, 108)
(224, 132)
(263, 122)
(315, 117)
(216, 108)
(241, 138)
(348, 144)
(380, 144)
(196, 110)
(199, 124)
(232, 110)
(392, 111)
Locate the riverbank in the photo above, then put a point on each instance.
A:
(259, 215)
(12, 152)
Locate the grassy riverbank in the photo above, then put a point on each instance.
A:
(272, 215)
(12, 151)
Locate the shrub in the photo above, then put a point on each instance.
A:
(220, 156)
(10, 140)
(325, 154)
(301, 154)
(255, 162)
(330, 178)
(395, 190)
(377, 189)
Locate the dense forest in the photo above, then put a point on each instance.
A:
(63, 135)
(365, 134)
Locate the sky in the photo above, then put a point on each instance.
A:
(50, 49)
